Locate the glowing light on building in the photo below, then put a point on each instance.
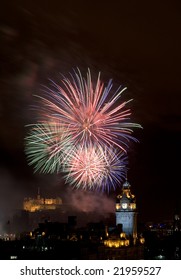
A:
(39, 204)
(117, 242)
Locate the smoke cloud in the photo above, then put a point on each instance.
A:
(86, 201)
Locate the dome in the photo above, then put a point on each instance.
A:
(126, 185)
(126, 196)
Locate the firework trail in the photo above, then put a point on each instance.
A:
(83, 131)
(46, 146)
(95, 167)
(89, 112)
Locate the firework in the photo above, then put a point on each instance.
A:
(115, 169)
(46, 146)
(84, 131)
(90, 112)
(95, 167)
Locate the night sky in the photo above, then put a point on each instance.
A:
(137, 44)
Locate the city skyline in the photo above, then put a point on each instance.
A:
(137, 46)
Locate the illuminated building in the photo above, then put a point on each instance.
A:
(126, 212)
(126, 220)
(40, 204)
(116, 242)
(120, 242)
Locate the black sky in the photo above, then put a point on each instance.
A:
(137, 43)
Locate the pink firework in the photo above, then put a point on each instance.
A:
(90, 111)
(95, 167)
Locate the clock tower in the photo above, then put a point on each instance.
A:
(126, 212)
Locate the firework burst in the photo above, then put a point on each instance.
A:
(46, 146)
(90, 112)
(84, 131)
(95, 167)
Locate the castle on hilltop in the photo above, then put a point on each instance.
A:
(39, 203)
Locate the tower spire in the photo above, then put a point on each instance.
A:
(126, 212)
